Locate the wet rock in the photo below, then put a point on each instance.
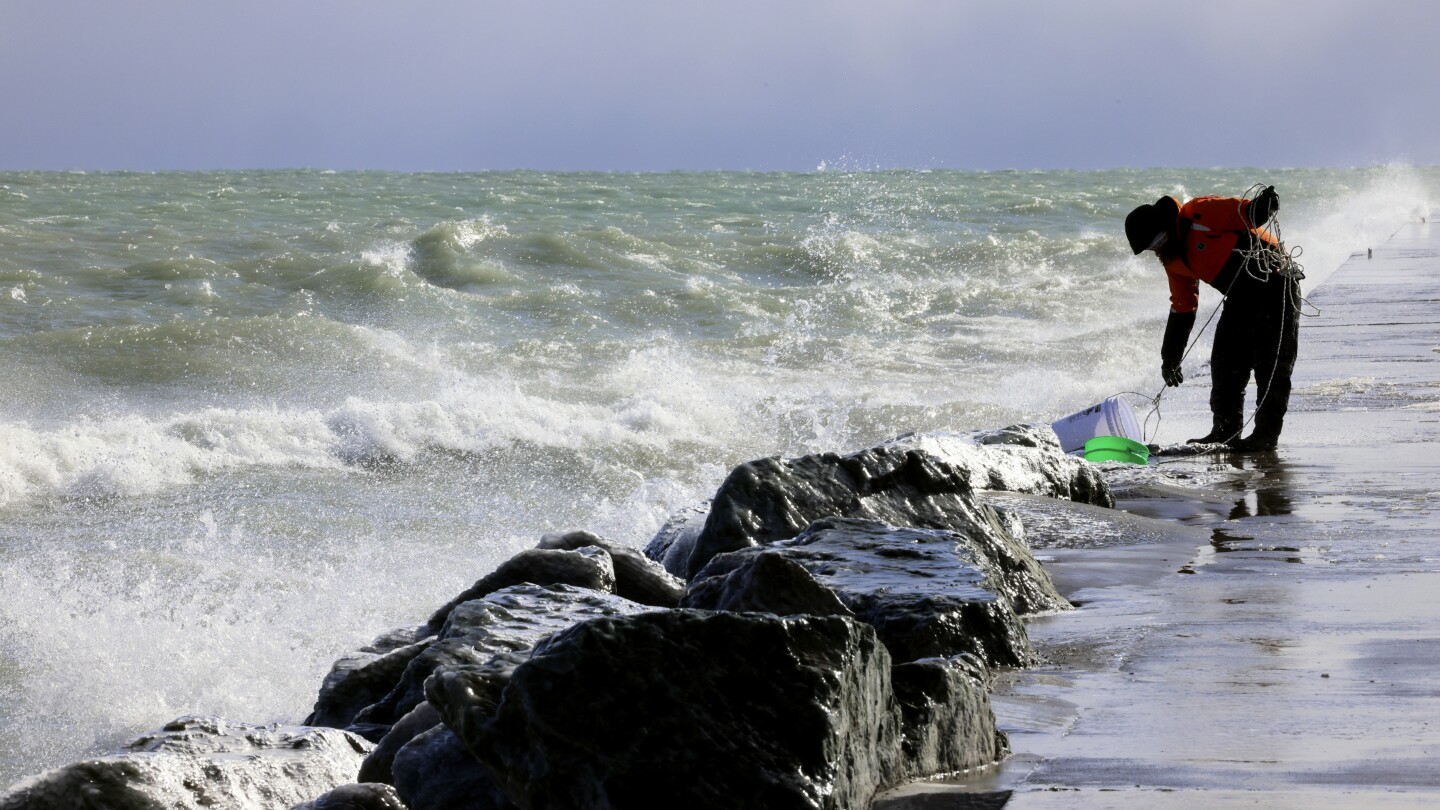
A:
(377, 766)
(357, 797)
(637, 578)
(428, 764)
(774, 499)
(948, 723)
(672, 545)
(509, 620)
(763, 502)
(365, 676)
(1006, 462)
(740, 710)
(1023, 435)
(766, 583)
(876, 483)
(201, 762)
(588, 567)
(927, 592)
(435, 772)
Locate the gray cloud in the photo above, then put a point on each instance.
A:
(155, 84)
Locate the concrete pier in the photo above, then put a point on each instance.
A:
(1286, 651)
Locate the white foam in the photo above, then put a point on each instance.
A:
(1331, 230)
(392, 256)
(472, 232)
(209, 621)
(652, 399)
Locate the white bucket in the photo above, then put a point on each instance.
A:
(1113, 417)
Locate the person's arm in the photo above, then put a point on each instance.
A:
(1184, 300)
(1172, 348)
(1233, 213)
(1263, 207)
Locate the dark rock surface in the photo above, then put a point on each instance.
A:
(377, 766)
(637, 578)
(365, 676)
(588, 567)
(767, 583)
(671, 546)
(427, 763)
(509, 620)
(357, 797)
(435, 772)
(201, 762)
(927, 592)
(774, 499)
(949, 725)
(739, 710)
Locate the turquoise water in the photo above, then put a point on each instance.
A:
(248, 420)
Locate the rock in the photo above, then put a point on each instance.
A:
(357, 797)
(687, 708)
(201, 762)
(584, 568)
(377, 766)
(927, 592)
(767, 583)
(1013, 466)
(763, 502)
(672, 545)
(774, 499)
(429, 765)
(948, 723)
(1024, 435)
(361, 683)
(510, 620)
(365, 676)
(1018, 458)
(637, 578)
(435, 772)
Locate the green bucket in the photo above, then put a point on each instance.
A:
(1116, 448)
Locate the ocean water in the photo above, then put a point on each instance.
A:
(249, 420)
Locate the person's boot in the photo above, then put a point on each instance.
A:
(1256, 442)
(1265, 437)
(1219, 434)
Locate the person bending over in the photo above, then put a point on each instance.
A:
(1223, 242)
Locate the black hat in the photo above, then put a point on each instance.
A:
(1149, 221)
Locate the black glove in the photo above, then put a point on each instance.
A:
(1264, 206)
(1172, 375)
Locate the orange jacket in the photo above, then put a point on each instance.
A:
(1211, 228)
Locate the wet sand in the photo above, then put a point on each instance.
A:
(1273, 641)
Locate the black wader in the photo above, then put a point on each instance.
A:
(1259, 333)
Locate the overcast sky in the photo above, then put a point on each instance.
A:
(702, 84)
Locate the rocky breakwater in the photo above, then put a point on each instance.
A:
(201, 762)
(823, 631)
